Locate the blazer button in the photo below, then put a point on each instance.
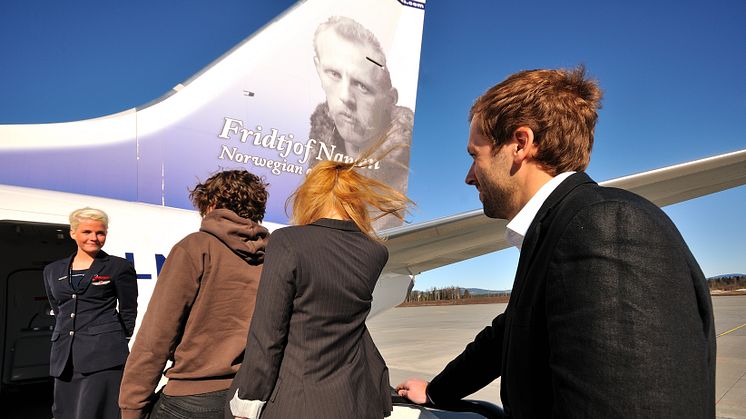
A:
(72, 314)
(72, 333)
(75, 296)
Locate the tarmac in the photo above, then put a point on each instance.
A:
(420, 341)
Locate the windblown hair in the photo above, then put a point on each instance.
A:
(237, 190)
(353, 31)
(339, 186)
(87, 213)
(558, 105)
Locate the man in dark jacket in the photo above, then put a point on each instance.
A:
(201, 308)
(610, 315)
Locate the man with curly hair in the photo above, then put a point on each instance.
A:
(201, 307)
(360, 111)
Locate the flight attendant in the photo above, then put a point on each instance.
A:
(89, 341)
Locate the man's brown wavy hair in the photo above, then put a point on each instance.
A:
(558, 105)
(339, 186)
(237, 190)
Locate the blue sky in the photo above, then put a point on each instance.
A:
(673, 78)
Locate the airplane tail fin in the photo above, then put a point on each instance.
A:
(318, 82)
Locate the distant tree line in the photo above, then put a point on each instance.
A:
(728, 283)
(451, 293)
(458, 295)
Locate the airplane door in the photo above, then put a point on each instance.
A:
(28, 328)
(25, 323)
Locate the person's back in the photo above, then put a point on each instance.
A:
(609, 227)
(201, 306)
(309, 353)
(329, 353)
(217, 312)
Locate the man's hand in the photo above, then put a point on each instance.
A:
(414, 390)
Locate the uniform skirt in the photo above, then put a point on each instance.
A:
(87, 395)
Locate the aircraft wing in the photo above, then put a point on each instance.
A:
(420, 247)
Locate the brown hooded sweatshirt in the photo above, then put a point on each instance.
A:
(199, 313)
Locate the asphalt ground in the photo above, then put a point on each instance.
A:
(419, 342)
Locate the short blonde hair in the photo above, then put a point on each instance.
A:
(338, 186)
(87, 213)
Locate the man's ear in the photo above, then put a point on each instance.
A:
(523, 143)
(393, 96)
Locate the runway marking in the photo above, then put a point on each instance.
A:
(731, 388)
(731, 330)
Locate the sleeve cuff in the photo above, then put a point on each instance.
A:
(246, 408)
(428, 398)
(132, 414)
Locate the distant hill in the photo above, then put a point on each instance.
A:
(723, 276)
(727, 283)
(480, 291)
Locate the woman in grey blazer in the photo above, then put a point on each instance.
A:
(309, 354)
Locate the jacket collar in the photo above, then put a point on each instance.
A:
(99, 262)
(531, 241)
(346, 225)
(564, 188)
(541, 222)
(518, 227)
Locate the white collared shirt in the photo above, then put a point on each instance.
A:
(518, 226)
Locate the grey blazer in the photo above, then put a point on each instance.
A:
(610, 317)
(309, 353)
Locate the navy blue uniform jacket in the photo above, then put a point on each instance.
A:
(88, 326)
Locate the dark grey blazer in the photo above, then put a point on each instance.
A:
(88, 325)
(309, 353)
(610, 317)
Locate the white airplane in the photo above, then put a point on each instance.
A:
(248, 109)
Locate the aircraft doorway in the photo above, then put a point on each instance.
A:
(25, 321)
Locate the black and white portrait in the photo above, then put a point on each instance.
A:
(361, 108)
